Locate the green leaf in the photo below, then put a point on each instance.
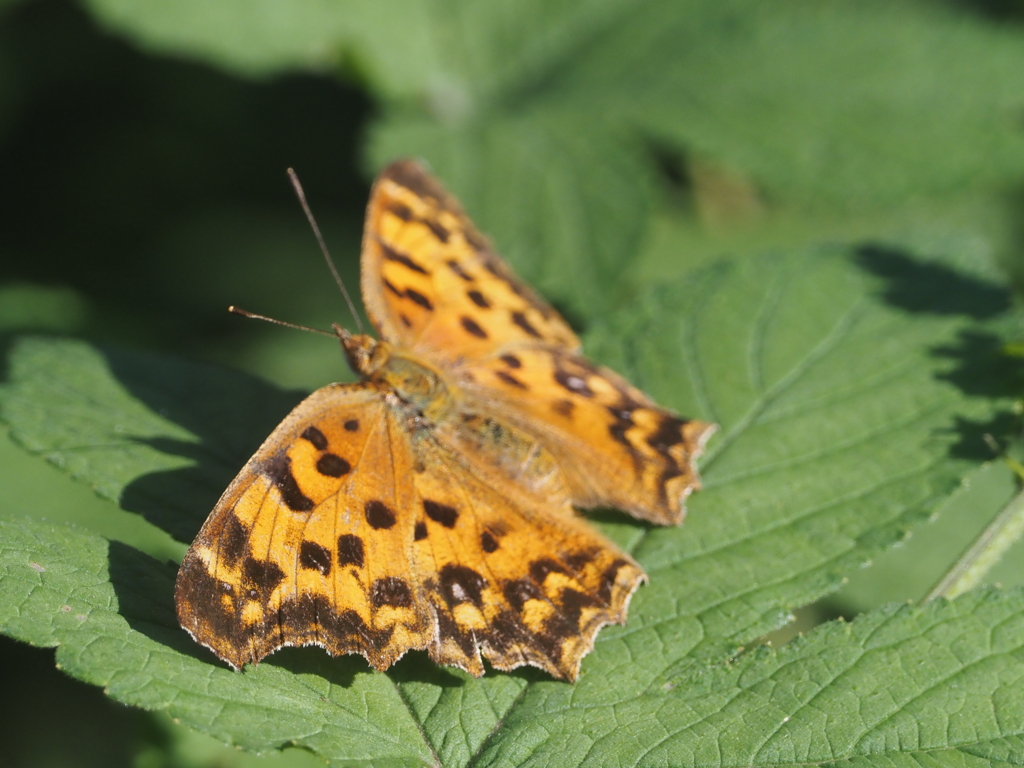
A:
(302, 34)
(159, 437)
(546, 118)
(110, 611)
(909, 571)
(898, 686)
(852, 389)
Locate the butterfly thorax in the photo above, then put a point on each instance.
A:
(411, 379)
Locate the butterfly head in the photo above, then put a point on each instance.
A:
(408, 377)
(365, 355)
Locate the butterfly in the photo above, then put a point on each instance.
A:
(431, 505)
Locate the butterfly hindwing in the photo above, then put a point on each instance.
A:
(615, 446)
(513, 574)
(550, 581)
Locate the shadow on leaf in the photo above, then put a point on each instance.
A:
(145, 597)
(997, 10)
(336, 670)
(931, 287)
(416, 667)
(981, 368)
(230, 413)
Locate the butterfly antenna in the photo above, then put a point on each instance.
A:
(323, 246)
(254, 316)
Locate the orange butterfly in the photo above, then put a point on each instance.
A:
(430, 506)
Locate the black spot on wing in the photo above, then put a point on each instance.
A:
(379, 515)
(441, 513)
(622, 423)
(668, 434)
(316, 437)
(511, 361)
(420, 531)
(478, 298)
(608, 579)
(572, 602)
(449, 629)
(491, 265)
(488, 542)
(460, 584)
(511, 380)
(332, 465)
(315, 557)
(506, 632)
(520, 319)
(401, 211)
(557, 629)
(519, 591)
(577, 561)
(279, 470)
(563, 407)
(418, 298)
(233, 540)
(392, 591)
(670, 471)
(439, 231)
(473, 327)
(400, 258)
(260, 578)
(352, 425)
(455, 267)
(350, 550)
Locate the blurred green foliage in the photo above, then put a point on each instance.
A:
(607, 147)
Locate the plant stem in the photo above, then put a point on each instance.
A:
(985, 551)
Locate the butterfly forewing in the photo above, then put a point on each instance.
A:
(310, 544)
(431, 282)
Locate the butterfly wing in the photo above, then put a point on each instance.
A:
(431, 282)
(510, 571)
(353, 530)
(615, 446)
(307, 546)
